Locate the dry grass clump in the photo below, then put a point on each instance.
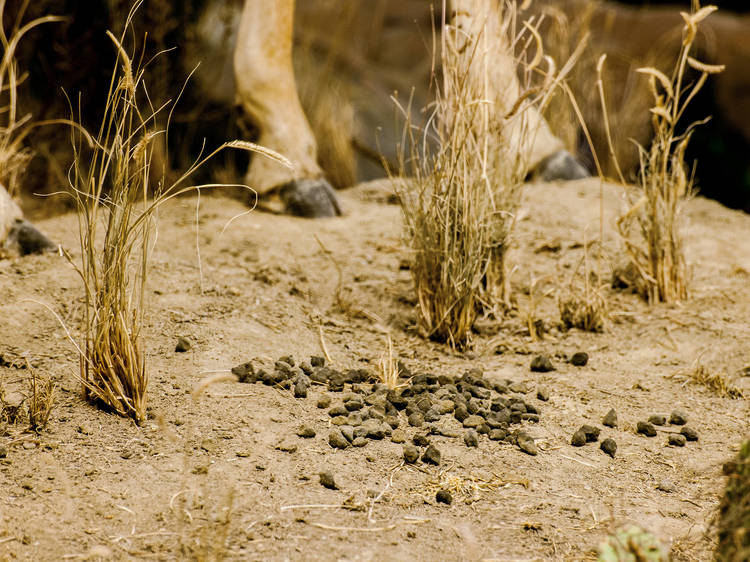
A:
(467, 165)
(584, 308)
(651, 228)
(388, 370)
(734, 511)
(111, 185)
(717, 382)
(40, 400)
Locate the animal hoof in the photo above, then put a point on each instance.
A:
(561, 165)
(310, 198)
(24, 238)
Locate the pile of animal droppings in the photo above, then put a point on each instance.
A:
(362, 409)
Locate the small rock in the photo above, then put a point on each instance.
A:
(657, 419)
(421, 440)
(183, 345)
(328, 481)
(375, 429)
(533, 418)
(359, 442)
(461, 413)
(398, 436)
(678, 417)
(245, 373)
(431, 455)
(473, 421)
(497, 434)
(306, 432)
(666, 485)
(338, 410)
(393, 421)
(395, 398)
(432, 415)
(609, 446)
(3, 451)
(645, 428)
(689, 433)
(339, 420)
(336, 381)
(32, 445)
(526, 443)
(541, 364)
(288, 359)
(444, 496)
(287, 446)
(324, 401)
(416, 419)
(471, 438)
(85, 429)
(354, 404)
(348, 432)
(578, 439)
(592, 433)
(610, 418)
(519, 386)
(542, 393)
(301, 384)
(579, 359)
(317, 361)
(208, 445)
(411, 454)
(306, 368)
(676, 439)
(336, 439)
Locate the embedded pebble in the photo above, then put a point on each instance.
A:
(183, 345)
(678, 417)
(471, 438)
(657, 419)
(444, 496)
(578, 439)
(579, 359)
(689, 433)
(541, 364)
(306, 432)
(337, 440)
(592, 433)
(526, 443)
(473, 421)
(431, 455)
(286, 446)
(328, 481)
(359, 442)
(610, 418)
(666, 485)
(609, 446)
(647, 429)
(398, 436)
(324, 401)
(497, 434)
(338, 410)
(411, 454)
(676, 439)
(542, 393)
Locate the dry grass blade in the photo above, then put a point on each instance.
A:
(111, 186)
(40, 401)
(716, 382)
(651, 228)
(388, 367)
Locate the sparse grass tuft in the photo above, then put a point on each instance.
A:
(388, 370)
(651, 228)
(40, 401)
(717, 382)
(467, 166)
(585, 309)
(111, 186)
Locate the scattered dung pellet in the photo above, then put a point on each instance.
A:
(610, 418)
(444, 496)
(338, 410)
(336, 439)
(645, 428)
(316, 361)
(354, 404)
(473, 421)
(666, 485)
(592, 433)
(578, 439)
(306, 432)
(420, 440)
(245, 373)
(183, 345)
(471, 438)
(411, 454)
(431, 415)
(526, 443)
(676, 439)
(286, 446)
(657, 419)
(609, 446)
(416, 419)
(301, 386)
(393, 421)
(579, 359)
(359, 442)
(461, 413)
(678, 417)
(324, 401)
(541, 364)
(288, 359)
(398, 436)
(497, 434)
(431, 455)
(542, 393)
(689, 433)
(328, 481)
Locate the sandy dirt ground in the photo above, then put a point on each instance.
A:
(225, 476)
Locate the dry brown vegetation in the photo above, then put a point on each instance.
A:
(111, 186)
(652, 227)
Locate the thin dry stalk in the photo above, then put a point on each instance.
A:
(41, 399)
(388, 367)
(467, 165)
(652, 228)
(111, 185)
